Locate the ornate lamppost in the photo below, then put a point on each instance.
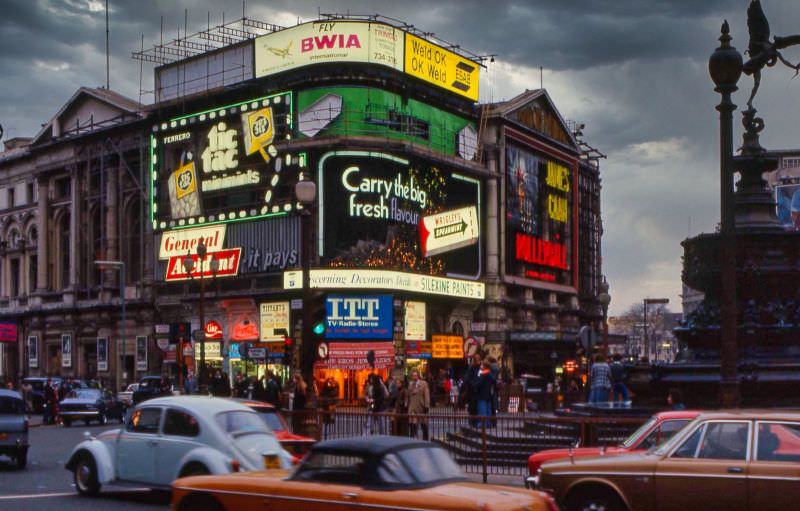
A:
(305, 192)
(725, 67)
(213, 266)
(604, 299)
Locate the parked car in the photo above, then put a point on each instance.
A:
(743, 460)
(126, 396)
(37, 384)
(658, 429)
(150, 387)
(297, 445)
(90, 404)
(13, 427)
(375, 472)
(170, 437)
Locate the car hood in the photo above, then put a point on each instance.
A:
(472, 495)
(78, 401)
(636, 461)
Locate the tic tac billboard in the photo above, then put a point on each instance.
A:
(222, 165)
(539, 201)
(382, 211)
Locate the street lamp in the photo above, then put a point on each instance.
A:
(648, 302)
(305, 192)
(213, 265)
(120, 265)
(725, 67)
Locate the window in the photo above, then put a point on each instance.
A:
(241, 423)
(778, 442)
(33, 270)
(11, 201)
(663, 433)
(63, 188)
(724, 441)
(430, 464)
(332, 468)
(144, 420)
(392, 471)
(30, 189)
(689, 447)
(15, 278)
(180, 424)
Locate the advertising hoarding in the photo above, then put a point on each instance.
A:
(359, 317)
(222, 165)
(433, 64)
(33, 351)
(102, 353)
(66, 350)
(141, 353)
(8, 332)
(349, 110)
(228, 265)
(787, 199)
(328, 41)
(447, 346)
(353, 355)
(415, 321)
(382, 279)
(274, 318)
(371, 205)
(539, 201)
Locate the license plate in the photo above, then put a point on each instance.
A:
(3, 436)
(271, 461)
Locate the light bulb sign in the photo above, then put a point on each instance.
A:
(223, 165)
(379, 210)
(359, 317)
(539, 199)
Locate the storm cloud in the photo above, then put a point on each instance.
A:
(633, 71)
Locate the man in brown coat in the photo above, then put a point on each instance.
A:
(419, 403)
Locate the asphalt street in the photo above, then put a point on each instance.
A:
(46, 485)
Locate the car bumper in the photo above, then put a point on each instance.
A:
(532, 482)
(79, 413)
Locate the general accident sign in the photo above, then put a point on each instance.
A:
(434, 64)
(448, 231)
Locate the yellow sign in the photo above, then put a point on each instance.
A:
(260, 131)
(447, 346)
(328, 41)
(185, 183)
(434, 64)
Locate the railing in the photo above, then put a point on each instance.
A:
(481, 445)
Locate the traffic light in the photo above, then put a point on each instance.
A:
(288, 351)
(179, 332)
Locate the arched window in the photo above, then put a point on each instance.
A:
(458, 328)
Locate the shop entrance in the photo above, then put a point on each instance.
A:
(351, 383)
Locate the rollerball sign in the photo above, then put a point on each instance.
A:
(533, 250)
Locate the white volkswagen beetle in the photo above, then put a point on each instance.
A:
(171, 437)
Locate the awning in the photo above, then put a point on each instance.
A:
(353, 355)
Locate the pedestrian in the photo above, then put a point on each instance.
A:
(675, 400)
(485, 393)
(328, 398)
(27, 396)
(49, 402)
(164, 387)
(400, 409)
(419, 403)
(469, 388)
(272, 390)
(299, 400)
(239, 385)
(375, 395)
(618, 388)
(190, 384)
(494, 367)
(600, 380)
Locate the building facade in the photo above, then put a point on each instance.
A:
(439, 226)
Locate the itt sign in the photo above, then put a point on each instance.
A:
(358, 317)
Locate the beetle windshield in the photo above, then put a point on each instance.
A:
(643, 429)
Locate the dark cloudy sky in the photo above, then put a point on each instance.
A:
(634, 71)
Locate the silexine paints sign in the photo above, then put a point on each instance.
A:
(358, 317)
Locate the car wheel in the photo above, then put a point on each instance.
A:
(66, 422)
(22, 458)
(200, 503)
(85, 476)
(594, 499)
(194, 469)
(102, 419)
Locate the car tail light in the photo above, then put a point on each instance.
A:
(235, 465)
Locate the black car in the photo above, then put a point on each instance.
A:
(90, 404)
(37, 384)
(150, 387)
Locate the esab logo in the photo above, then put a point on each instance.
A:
(434, 64)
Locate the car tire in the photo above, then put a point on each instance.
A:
(594, 499)
(195, 469)
(22, 458)
(85, 476)
(196, 502)
(66, 422)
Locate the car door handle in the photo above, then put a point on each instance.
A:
(735, 470)
(350, 495)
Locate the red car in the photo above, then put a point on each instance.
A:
(658, 428)
(296, 445)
